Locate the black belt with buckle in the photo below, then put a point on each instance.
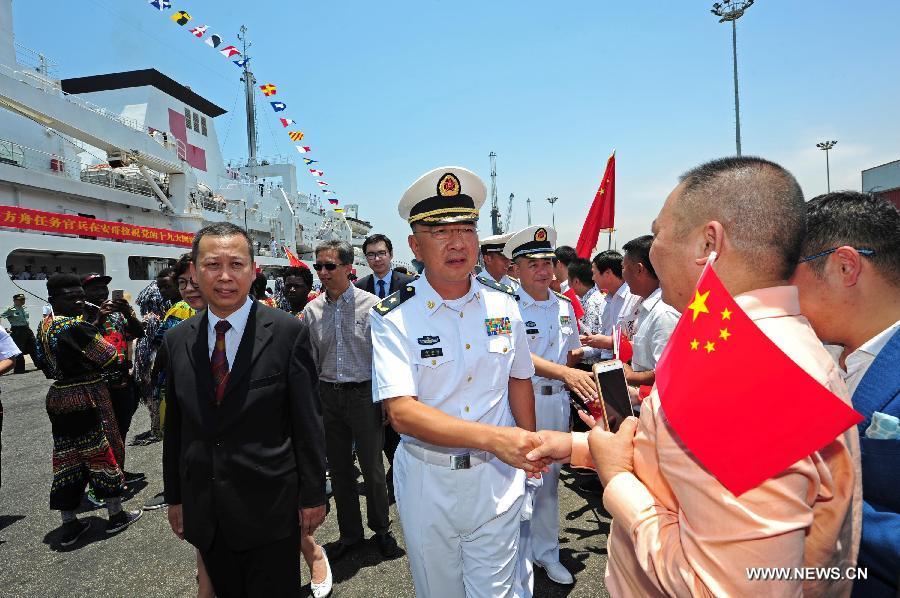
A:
(339, 386)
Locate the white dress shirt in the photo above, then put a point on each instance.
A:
(620, 307)
(550, 327)
(654, 325)
(387, 282)
(859, 361)
(238, 321)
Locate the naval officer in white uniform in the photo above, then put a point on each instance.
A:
(552, 337)
(496, 265)
(452, 366)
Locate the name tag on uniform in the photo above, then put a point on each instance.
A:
(532, 331)
(564, 320)
(436, 352)
(497, 326)
(428, 340)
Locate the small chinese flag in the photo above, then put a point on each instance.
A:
(742, 407)
(625, 350)
(268, 89)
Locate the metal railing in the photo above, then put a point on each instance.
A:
(129, 180)
(15, 154)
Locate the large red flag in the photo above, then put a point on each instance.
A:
(742, 407)
(293, 260)
(602, 214)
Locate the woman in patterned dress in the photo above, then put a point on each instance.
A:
(73, 353)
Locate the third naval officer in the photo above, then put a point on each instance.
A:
(451, 365)
(496, 265)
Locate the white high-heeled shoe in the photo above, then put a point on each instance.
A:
(321, 590)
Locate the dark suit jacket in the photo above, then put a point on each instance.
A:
(246, 467)
(879, 390)
(367, 283)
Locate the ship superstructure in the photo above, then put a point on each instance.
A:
(135, 150)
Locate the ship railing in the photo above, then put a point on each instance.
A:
(15, 154)
(40, 62)
(213, 203)
(39, 80)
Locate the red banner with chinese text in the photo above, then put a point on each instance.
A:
(65, 224)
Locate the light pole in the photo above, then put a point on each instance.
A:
(552, 201)
(732, 10)
(826, 147)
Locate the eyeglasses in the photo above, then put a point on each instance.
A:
(444, 234)
(861, 251)
(183, 283)
(330, 267)
(373, 254)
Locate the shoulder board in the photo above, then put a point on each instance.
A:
(394, 300)
(561, 296)
(488, 282)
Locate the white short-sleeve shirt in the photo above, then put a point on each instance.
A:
(654, 325)
(550, 326)
(454, 355)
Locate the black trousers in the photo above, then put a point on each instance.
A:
(124, 402)
(272, 570)
(350, 417)
(25, 341)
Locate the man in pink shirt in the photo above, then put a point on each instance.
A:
(676, 530)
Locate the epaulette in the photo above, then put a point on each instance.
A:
(561, 296)
(394, 300)
(488, 282)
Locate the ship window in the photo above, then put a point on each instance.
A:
(141, 267)
(203, 126)
(187, 117)
(45, 263)
(196, 122)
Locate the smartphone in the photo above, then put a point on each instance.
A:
(118, 295)
(614, 401)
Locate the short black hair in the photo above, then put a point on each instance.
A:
(758, 202)
(609, 260)
(343, 248)
(182, 265)
(220, 229)
(565, 254)
(580, 269)
(638, 250)
(377, 238)
(168, 271)
(860, 220)
(61, 280)
(258, 288)
(303, 273)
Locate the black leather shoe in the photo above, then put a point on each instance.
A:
(338, 550)
(387, 545)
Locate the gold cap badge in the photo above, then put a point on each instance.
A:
(448, 185)
(540, 234)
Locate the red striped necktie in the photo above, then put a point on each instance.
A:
(219, 361)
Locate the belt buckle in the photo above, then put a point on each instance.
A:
(459, 461)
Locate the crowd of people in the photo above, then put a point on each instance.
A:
(469, 379)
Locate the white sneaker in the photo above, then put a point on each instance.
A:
(320, 590)
(556, 572)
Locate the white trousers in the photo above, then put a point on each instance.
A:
(461, 527)
(552, 413)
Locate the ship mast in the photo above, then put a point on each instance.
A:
(249, 85)
(496, 229)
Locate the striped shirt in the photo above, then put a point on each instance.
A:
(339, 334)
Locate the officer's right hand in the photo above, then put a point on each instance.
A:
(512, 446)
(582, 383)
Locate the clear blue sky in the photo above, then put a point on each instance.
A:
(388, 90)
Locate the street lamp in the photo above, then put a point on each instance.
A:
(826, 147)
(732, 10)
(552, 201)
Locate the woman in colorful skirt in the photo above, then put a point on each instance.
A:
(73, 353)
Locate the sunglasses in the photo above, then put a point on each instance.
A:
(183, 284)
(330, 267)
(862, 251)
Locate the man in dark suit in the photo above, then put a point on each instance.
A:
(244, 451)
(384, 280)
(849, 285)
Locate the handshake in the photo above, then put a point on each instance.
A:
(535, 451)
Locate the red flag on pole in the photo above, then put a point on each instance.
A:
(743, 408)
(293, 260)
(602, 214)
